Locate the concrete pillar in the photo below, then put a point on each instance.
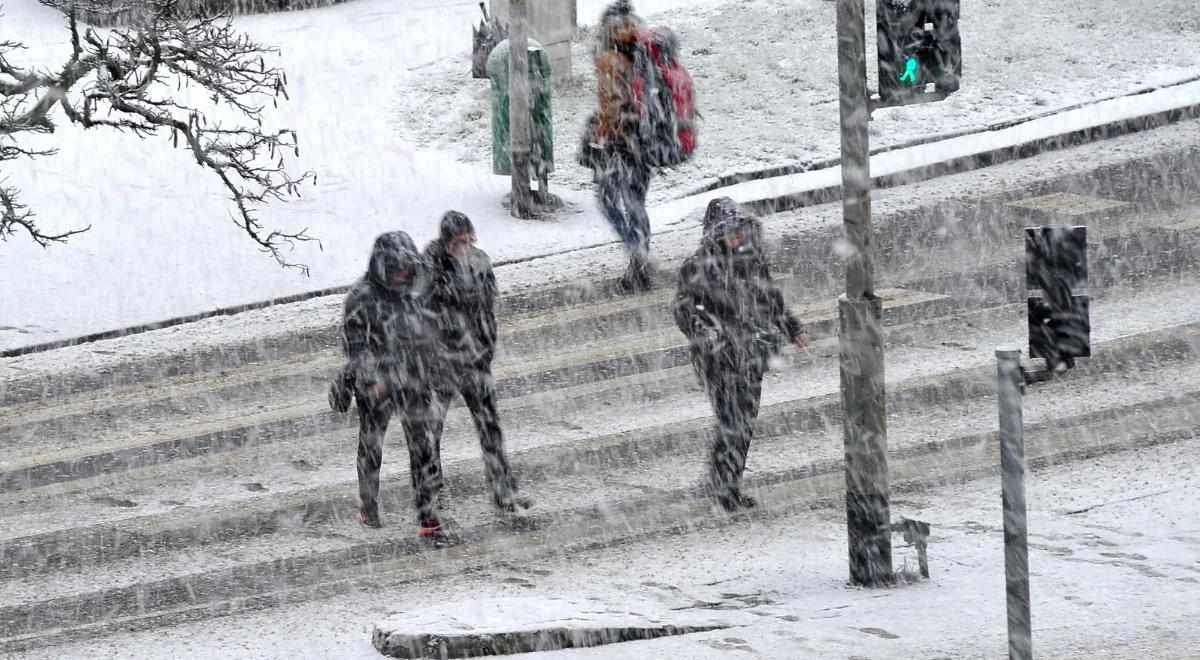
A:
(552, 24)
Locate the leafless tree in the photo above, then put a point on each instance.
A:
(163, 73)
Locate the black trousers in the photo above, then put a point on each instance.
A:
(478, 389)
(417, 419)
(735, 396)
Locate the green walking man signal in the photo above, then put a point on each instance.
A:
(920, 50)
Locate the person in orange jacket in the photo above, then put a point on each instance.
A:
(622, 175)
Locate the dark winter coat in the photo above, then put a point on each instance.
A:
(727, 305)
(464, 297)
(389, 331)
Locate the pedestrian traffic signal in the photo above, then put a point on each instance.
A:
(1056, 279)
(918, 46)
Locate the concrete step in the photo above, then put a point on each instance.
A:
(266, 403)
(1149, 183)
(271, 401)
(954, 241)
(564, 415)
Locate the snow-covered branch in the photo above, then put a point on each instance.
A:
(195, 79)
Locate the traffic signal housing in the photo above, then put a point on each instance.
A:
(918, 44)
(1056, 280)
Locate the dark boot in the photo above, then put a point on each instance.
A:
(513, 503)
(638, 277)
(746, 502)
(735, 501)
(429, 525)
(368, 514)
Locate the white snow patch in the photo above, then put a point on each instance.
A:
(484, 616)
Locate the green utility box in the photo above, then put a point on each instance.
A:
(541, 148)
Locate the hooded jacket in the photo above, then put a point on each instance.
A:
(726, 303)
(464, 296)
(389, 332)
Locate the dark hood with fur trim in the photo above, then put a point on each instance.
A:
(727, 305)
(389, 331)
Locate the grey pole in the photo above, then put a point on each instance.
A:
(1012, 485)
(861, 337)
(518, 108)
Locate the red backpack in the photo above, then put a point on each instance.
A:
(662, 90)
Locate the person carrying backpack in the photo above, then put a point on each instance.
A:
(644, 120)
(622, 174)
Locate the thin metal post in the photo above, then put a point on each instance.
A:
(518, 108)
(861, 337)
(1012, 486)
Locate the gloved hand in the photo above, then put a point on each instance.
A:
(341, 391)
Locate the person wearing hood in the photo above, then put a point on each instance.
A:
(622, 175)
(390, 337)
(733, 315)
(464, 298)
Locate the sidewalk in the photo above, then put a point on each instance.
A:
(1113, 555)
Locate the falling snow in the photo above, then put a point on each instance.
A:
(624, 427)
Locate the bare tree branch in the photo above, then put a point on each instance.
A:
(164, 74)
(14, 214)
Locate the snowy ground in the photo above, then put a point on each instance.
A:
(1114, 555)
(162, 244)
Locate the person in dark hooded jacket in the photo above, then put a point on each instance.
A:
(390, 336)
(464, 297)
(733, 315)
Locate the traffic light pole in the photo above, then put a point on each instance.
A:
(861, 339)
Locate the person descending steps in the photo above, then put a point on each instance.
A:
(464, 298)
(733, 315)
(390, 337)
(644, 119)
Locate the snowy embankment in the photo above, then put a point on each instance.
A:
(394, 151)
